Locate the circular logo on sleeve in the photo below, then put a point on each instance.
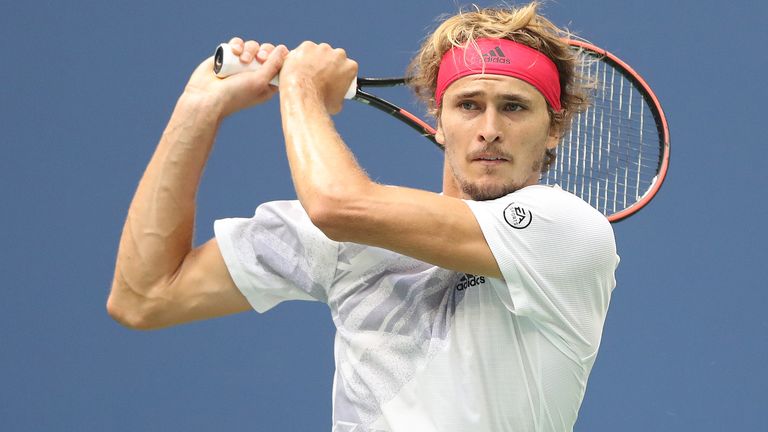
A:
(517, 216)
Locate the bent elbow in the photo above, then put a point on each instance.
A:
(125, 317)
(130, 314)
(333, 215)
(326, 218)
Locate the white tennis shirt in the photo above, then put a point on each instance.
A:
(420, 348)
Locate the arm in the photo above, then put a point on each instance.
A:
(340, 198)
(160, 280)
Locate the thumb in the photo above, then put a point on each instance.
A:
(271, 67)
(251, 88)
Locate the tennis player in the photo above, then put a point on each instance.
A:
(478, 309)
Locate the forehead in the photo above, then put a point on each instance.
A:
(494, 86)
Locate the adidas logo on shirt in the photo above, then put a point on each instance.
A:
(496, 55)
(469, 280)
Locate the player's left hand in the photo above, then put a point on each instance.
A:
(239, 91)
(320, 69)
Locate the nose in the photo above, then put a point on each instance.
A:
(490, 127)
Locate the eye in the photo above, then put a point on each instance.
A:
(467, 105)
(513, 106)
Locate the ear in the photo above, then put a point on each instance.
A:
(439, 134)
(555, 133)
(553, 139)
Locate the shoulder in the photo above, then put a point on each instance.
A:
(288, 208)
(273, 215)
(546, 222)
(542, 206)
(281, 228)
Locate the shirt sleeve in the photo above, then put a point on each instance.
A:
(557, 256)
(277, 255)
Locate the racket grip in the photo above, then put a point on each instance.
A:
(225, 63)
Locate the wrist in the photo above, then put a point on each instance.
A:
(201, 103)
(300, 86)
(301, 94)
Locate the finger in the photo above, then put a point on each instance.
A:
(340, 51)
(250, 48)
(274, 61)
(264, 51)
(306, 45)
(237, 45)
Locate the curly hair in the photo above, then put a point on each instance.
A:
(523, 25)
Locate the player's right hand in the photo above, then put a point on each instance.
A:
(242, 90)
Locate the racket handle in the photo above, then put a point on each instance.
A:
(225, 64)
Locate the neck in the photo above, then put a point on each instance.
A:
(450, 187)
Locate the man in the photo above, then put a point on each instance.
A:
(478, 309)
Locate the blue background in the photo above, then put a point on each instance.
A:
(85, 91)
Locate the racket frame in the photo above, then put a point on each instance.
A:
(659, 117)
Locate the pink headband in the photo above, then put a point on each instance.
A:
(501, 57)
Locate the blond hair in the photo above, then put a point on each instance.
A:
(522, 25)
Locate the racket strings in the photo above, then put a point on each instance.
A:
(611, 155)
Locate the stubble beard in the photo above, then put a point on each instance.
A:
(486, 192)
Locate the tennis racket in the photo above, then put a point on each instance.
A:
(616, 154)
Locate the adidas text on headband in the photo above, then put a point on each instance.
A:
(500, 57)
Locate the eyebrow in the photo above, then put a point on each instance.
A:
(516, 97)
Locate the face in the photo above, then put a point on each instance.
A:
(495, 130)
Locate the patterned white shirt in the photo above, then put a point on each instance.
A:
(421, 348)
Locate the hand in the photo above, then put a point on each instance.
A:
(243, 90)
(321, 70)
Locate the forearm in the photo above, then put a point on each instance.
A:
(158, 230)
(323, 169)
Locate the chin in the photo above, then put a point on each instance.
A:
(488, 191)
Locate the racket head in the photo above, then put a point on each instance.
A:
(616, 154)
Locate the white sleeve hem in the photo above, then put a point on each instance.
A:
(256, 300)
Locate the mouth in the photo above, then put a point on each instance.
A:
(490, 159)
